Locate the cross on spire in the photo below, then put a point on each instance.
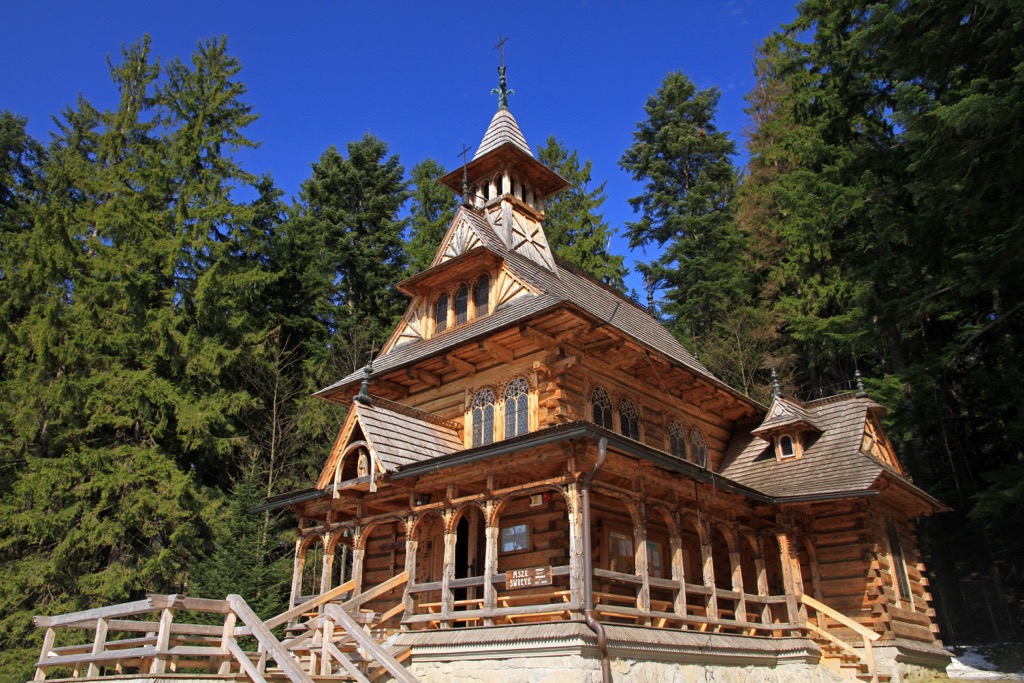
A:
(502, 91)
(465, 180)
(500, 47)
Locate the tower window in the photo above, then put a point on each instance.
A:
(629, 420)
(481, 295)
(441, 314)
(461, 305)
(483, 418)
(602, 408)
(786, 448)
(517, 416)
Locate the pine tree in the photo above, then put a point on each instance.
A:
(684, 163)
(432, 211)
(576, 232)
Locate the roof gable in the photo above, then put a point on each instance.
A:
(394, 434)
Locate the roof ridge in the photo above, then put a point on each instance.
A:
(415, 413)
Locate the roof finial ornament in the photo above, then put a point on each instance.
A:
(364, 389)
(502, 90)
(466, 199)
(776, 387)
(861, 392)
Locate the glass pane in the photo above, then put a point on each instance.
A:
(461, 304)
(481, 295)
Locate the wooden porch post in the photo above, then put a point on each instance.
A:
(736, 565)
(711, 601)
(491, 532)
(328, 561)
(762, 581)
(791, 582)
(577, 565)
(358, 553)
(678, 567)
(450, 538)
(411, 548)
(297, 564)
(643, 598)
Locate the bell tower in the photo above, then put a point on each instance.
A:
(507, 185)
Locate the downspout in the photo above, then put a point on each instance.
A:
(589, 615)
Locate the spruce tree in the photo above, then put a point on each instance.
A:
(575, 229)
(433, 208)
(346, 236)
(684, 164)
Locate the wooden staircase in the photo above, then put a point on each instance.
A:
(328, 637)
(846, 659)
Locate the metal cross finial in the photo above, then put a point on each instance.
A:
(465, 180)
(502, 91)
(500, 47)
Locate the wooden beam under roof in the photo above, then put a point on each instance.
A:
(460, 365)
(399, 390)
(498, 352)
(424, 377)
(535, 335)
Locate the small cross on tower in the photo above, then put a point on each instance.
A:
(502, 91)
(465, 181)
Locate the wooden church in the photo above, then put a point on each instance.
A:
(536, 481)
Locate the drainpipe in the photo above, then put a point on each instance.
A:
(589, 615)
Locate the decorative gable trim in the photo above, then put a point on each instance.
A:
(461, 238)
(510, 287)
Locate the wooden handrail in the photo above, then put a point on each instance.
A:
(272, 645)
(299, 610)
(840, 617)
(867, 635)
(366, 641)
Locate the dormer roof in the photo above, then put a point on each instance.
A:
(786, 415)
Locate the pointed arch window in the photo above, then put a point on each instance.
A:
(481, 295)
(602, 408)
(517, 416)
(483, 418)
(629, 420)
(698, 448)
(441, 314)
(461, 305)
(677, 439)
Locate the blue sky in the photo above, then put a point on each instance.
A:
(416, 74)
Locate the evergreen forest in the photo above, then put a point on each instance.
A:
(160, 336)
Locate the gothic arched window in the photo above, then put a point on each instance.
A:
(441, 314)
(676, 439)
(698, 448)
(481, 295)
(461, 304)
(483, 418)
(602, 407)
(629, 420)
(517, 416)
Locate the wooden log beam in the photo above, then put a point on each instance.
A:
(533, 334)
(498, 352)
(424, 377)
(399, 390)
(461, 366)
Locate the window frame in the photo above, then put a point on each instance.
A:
(610, 426)
(477, 424)
(441, 325)
(461, 307)
(521, 414)
(634, 417)
(527, 547)
(486, 280)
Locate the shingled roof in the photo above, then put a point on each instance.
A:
(503, 130)
(399, 435)
(566, 285)
(785, 413)
(832, 462)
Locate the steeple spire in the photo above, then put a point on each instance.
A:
(776, 388)
(502, 90)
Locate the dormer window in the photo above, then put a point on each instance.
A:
(462, 305)
(787, 447)
(441, 314)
